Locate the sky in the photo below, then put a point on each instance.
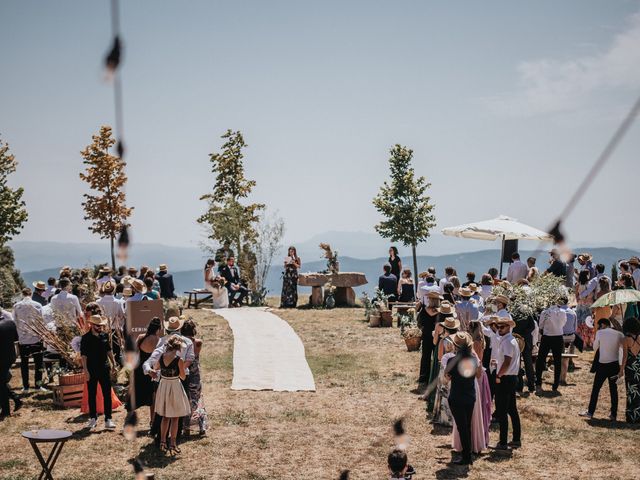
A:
(505, 105)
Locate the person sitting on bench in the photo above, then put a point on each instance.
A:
(231, 274)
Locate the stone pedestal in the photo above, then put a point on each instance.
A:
(345, 297)
(344, 282)
(316, 298)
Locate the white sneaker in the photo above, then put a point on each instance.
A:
(43, 389)
(93, 422)
(25, 390)
(109, 425)
(586, 414)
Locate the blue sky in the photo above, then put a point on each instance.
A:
(505, 104)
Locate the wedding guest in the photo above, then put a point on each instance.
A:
(122, 271)
(143, 272)
(436, 400)
(556, 266)
(448, 294)
(139, 291)
(51, 288)
(432, 271)
(501, 302)
(406, 289)
(463, 401)
(8, 337)
(198, 417)
(292, 263)
(231, 275)
(66, 305)
(144, 385)
(430, 285)
(583, 309)
(484, 390)
(39, 288)
(507, 365)
(398, 465)
(466, 310)
(448, 273)
(113, 309)
(96, 353)
(132, 272)
(388, 283)
(171, 402)
(634, 265)
(167, 289)
(585, 261)
(570, 278)
(151, 293)
(476, 298)
(593, 285)
(493, 272)
(395, 261)
(517, 270)
(571, 326)
(30, 344)
(156, 284)
(105, 276)
(631, 309)
(471, 278)
(532, 273)
(525, 327)
(428, 317)
(630, 368)
(608, 345)
(455, 281)
(486, 286)
(551, 324)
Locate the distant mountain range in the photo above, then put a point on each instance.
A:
(186, 263)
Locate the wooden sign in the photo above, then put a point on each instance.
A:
(140, 313)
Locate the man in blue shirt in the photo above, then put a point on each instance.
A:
(388, 283)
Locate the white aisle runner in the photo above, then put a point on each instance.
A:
(267, 352)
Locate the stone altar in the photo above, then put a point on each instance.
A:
(343, 281)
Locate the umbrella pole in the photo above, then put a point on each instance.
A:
(501, 255)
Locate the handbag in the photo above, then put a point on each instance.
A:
(596, 360)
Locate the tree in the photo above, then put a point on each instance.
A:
(227, 218)
(107, 209)
(11, 281)
(404, 204)
(270, 232)
(13, 213)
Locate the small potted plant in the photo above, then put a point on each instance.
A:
(382, 316)
(368, 306)
(409, 330)
(329, 296)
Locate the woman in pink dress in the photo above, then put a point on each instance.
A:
(479, 344)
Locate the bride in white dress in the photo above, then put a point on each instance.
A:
(215, 284)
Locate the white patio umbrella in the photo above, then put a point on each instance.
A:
(503, 228)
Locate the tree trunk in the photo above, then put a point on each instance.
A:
(113, 255)
(415, 266)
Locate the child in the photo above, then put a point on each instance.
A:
(171, 399)
(399, 466)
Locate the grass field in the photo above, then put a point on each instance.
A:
(364, 379)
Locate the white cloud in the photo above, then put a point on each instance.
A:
(550, 86)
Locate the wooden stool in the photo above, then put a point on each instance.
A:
(57, 437)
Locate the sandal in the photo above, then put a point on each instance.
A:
(174, 449)
(163, 447)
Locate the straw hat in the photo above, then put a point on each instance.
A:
(423, 274)
(446, 308)
(108, 287)
(138, 286)
(504, 321)
(39, 285)
(465, 292)
(127, 292)
(162, 267)
(502, 299)
(474, 288)
(584, 257)
(451, 323)
(98, 320)
(65, 269)
(462, 340)
(490, 320)
(106, 269)
(173, 324)
(434, 295)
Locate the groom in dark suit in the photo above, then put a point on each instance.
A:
(232, 276)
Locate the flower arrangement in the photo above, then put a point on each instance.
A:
(543, 292)
(368, 306)
(333, 266)
(58, 336)
(380, 301)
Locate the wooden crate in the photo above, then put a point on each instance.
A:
(68, 396)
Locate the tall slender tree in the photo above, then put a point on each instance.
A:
(228, 217)
(13, 212)
(404, 203)
(107, 209)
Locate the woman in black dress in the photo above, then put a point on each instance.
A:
(144, 385)
(406, 288)
(289, 297)
(395, 261)
(427, 319)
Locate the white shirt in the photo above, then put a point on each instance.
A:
(508, 347)
(517, 271)
(5, 315)
(186, 353)
(113, 309)
(443, 282)
(67, 306)
(49, 291)
(424, 289)
(485, 291)
(609, 341)
(494, 338)
(26, 311)
(593, 286)
(552, 321)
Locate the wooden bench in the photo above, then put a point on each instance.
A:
(194, 302)
(566, 357)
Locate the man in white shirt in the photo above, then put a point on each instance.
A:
(608, 345)
(105, 276)
(507, 365)
(466, 309)
(448, 273)
(25, 312)
(113, 309)
(551, 325)
(66, 305)
(517, 270)
(51, 288)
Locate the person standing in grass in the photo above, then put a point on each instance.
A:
(25, 312)
(630, 368)
(292, 263)
(198, 415)
(607, 344)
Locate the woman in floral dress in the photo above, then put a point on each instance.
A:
(289, 298)
(198, 416)
(630, 368)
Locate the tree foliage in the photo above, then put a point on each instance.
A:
(227, 217)
(13, 212)
(106, 209)
(11, 281)
(270, 233)
(403, 202)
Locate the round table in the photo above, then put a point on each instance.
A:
(57, 437)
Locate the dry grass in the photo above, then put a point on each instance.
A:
(364, 377)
